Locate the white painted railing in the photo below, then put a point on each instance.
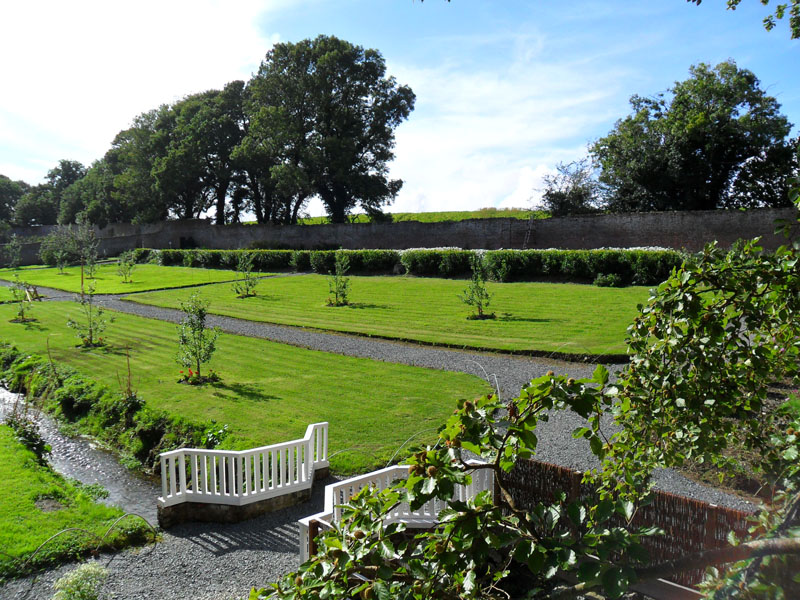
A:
(427, 515)
(241, 477)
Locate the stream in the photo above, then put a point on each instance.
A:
(80, 458)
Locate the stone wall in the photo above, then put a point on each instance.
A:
(688, 230)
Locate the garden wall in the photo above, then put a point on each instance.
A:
(688, 230)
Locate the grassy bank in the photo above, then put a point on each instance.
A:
(107, 281)
(439, 216)
(530, 317)
(269, 392)
(37, 503)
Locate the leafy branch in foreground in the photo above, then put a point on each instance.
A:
(704, 352)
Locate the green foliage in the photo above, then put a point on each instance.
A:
(717, 141)
(306, 137)
(126, 264)
(476, 293)
(572, 190)
(246, 285)
(21, 296)
(12, 252)
(633, 267)
(92, 323)
(704, 352)
(770, 21)
(338, 282)
(27, 431)
(610, 280)
(81, 583)
(437, 263)
(196, 342)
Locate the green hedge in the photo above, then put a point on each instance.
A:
(632, 267)
(607, 267)
(124, 423)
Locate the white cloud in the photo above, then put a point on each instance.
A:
(486, 137)
(81, 71)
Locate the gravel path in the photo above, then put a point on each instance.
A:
(222, 561)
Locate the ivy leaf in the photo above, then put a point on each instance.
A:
(381, 591)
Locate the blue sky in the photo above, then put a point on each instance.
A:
(505, 88)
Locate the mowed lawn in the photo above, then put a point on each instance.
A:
(269, 392)
(543, 317)
(25, 524)
(107, 281)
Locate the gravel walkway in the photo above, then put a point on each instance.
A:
(225, 560)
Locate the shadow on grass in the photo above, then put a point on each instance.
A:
(511, 318)
(366, 305)
(248, 391)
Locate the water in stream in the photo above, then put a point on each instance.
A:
(79, 458)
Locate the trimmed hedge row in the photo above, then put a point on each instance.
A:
(608, 267)
(124, 423)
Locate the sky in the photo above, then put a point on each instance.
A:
(506, 89)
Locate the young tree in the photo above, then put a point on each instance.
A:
(338, 283)
(196, 342)
(93, 323)
(246, 286)
(126, 263)
(21, 296)
(709, 143)
(476, 293)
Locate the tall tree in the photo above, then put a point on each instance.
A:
(38, 206)
(132, 157)
(94, 197)
(10, 194)
(325, 112)
(707, 143)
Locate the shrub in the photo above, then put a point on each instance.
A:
(610, 280)
(437, 263)
(82, 583)
(300, 261)
(323, 261)
(126, 263)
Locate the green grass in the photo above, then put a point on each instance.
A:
(145, 277)
(531, 317)
(24, 526)
(269, 392)
(435, 217)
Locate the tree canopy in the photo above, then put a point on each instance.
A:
(323, 113)
(317, 119)
(715, 140)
